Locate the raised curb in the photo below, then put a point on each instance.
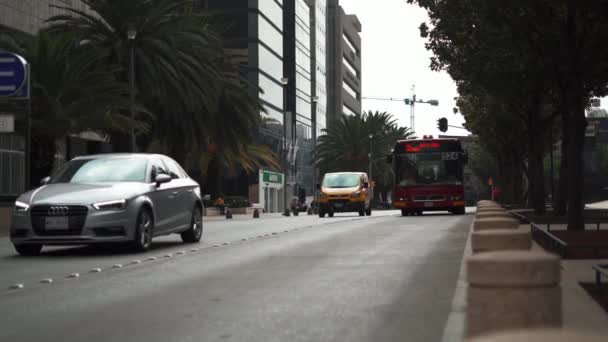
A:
(495, 223)
(525, 269)
(541, 336)
(500, 239)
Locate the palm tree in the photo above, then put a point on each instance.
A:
(73, 90)
(346, 145)
(177, 56)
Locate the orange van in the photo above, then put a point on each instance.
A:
(345, 192)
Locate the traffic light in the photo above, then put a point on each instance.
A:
(442, 124)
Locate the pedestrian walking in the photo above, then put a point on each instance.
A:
(220, 204)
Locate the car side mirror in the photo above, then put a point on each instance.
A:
(45, 180)
(162, 179)
(365, 185)
(389, 159)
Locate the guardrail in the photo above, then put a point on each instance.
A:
(540, 235)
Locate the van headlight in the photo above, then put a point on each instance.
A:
(21, 207)
(356, 194)
(111, 205)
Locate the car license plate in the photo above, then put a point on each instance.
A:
(338, 205)
(429, 204)
(56, 223)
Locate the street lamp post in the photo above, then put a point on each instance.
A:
(131, 35)
(315, 99)
(370, 165)
(284, 82)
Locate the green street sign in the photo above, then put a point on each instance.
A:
(272, 177)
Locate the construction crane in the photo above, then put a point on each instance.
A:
(411, 101)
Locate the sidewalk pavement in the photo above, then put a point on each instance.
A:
(579, 311)
(245, 216)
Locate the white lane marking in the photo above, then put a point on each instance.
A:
(46, 280)
(95, 270)
(16, 287)
(152, 258)
(117, 266)
(74, 275)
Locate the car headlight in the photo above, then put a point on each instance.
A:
(21, 207)
(322, 195)
(356, 194)
(111, 205)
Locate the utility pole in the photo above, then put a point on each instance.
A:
(284, 82)
(131, 35)
(371, 158)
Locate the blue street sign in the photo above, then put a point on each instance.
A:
(14, 78)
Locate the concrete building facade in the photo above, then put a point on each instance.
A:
(343, 62)
(30, 15)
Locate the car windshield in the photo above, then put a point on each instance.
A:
(341, 180)
(102, 170)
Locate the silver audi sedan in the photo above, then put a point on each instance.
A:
(109, 198)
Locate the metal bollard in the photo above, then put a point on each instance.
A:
(512, 290)
(310, 211)
(256, 213)
(228, 214)
(296, 212)
(286, 213)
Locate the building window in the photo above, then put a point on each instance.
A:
(273, 11)
(270, 35)
(270, 63)
(350, 90)
(347, 111)
(271, 91)
(350, 43)
(349, 66)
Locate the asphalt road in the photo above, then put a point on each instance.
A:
(379, 278)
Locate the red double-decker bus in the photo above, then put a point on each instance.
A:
(428, 176)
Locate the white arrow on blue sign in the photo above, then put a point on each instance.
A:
(13, 76)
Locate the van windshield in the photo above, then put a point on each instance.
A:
(341, 180)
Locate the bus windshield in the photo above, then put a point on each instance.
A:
(428, 168)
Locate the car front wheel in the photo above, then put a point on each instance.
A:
(29, 250)
(143, 231)
(194, 234)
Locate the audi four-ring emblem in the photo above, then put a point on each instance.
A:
(58, 211)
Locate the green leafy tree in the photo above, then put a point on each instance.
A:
(73, 90)
(184, 76)
(346, 145)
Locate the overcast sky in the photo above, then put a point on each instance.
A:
(394, 58)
